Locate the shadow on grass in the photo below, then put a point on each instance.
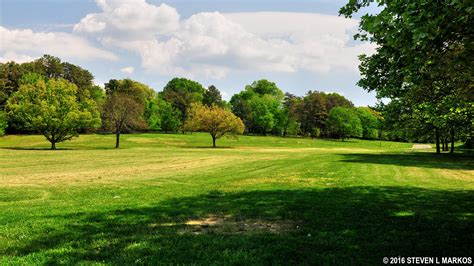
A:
(358, 225)
(417, 159)
(207, 147)
(57, 149)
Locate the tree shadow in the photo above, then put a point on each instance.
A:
(207, 147)
(417, 159)
(57, 149)
(358, 225)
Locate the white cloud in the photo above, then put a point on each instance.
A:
(127, 19)
(24, 44)
(128, 70)
(12, 56)
(214, 44)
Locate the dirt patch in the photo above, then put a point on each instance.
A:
(421, 146)
(230, 225)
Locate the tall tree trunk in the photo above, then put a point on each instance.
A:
(53, 145)
(117, 139)
(213, 141)
(437, 141)
(452, 140)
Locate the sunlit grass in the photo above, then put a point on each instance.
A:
(171, 198)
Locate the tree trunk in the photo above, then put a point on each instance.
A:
(452, 140)
(213, 141)
(117, 139)
(437, 141)
(53, 145)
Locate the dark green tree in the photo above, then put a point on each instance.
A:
(181, 93)
(424, 58)
(212, 96)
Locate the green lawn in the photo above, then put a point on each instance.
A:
(168, 198)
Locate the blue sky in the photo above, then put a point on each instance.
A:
(300, 45)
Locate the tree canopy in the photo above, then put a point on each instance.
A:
(215, 120)
(423, 62)
(344, 122)
(182, 93)
(52, 108)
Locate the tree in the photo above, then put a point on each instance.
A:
(124, 107)
(290, 113)
(423, 60)
(312, 113)
(344, 122)
(3, 123)
(370, 121)
(53, 109)
(182, 93)
(212, 96)
(160, 115)
(121, 111)
(215, 120)
(260, 106)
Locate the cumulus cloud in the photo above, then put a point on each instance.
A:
(214, 44)
(128, 70)
(25, 44)
(125, 19)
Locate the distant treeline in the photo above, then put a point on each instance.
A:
(127, 105)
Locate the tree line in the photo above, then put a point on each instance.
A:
(60, 101)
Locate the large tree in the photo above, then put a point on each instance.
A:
(182, 93)
(121, 111)
(423, 60)
(52, 109)
(125, 105)
(344, 122)
(161, 115)
(260, 106)
(215, 120)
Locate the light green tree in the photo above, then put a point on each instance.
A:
(52, 109)
(344, 122)
(215, 120)
(370, 121)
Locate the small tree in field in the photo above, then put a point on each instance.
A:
(52, 109)
(344, 122)
(121, 111)
(215, 120)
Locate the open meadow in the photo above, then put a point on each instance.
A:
(255, 200)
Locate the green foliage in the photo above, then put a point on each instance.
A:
(161, 115)
(3, 123)
(312, 113)
(344, 122)
(370, 121)
(212, 96)
(214, 120)
(182, 93)
(260, 107)
(423, 63)
(52, 109)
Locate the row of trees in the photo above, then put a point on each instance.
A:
(59, 100)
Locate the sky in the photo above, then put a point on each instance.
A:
(300, 45)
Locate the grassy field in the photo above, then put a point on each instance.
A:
(256, 200)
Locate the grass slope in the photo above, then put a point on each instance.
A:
(257, 200)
